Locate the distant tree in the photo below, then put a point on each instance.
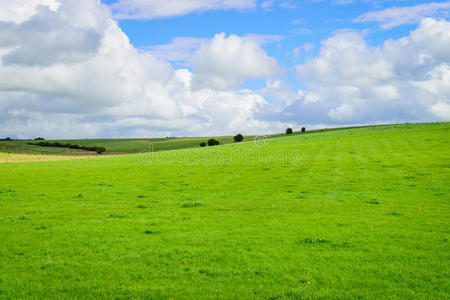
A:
(203, 144)
(289, 131)
(238, 138)
(100, 150)
(213, 142)
(39, 139)
(8, 139)
(303, 129)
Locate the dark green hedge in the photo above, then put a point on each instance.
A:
(99, 150)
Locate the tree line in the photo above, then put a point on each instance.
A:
(239, 138)
(99, 150)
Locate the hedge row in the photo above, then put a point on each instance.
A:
(99, 150)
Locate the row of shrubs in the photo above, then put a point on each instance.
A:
(10, 139)
(99, 150)
(290, 131)
(239, 138)
(213, 142)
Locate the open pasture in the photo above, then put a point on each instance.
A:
(113, 146)
(356, 213)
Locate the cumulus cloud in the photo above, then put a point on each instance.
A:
(395, 16)
(442, 110)
(70, 34)
(281, 92)
(181, 49)
(226, 62)
(105, 87)
(151, 9)
(352, 82)
(109, 88)
(20, 10)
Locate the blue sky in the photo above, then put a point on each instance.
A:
(303, 22)
(132, 68)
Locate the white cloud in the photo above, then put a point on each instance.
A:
(306, 48)
(151, 9)
(178, 50)
(18, 11)
(69, 35)
(226, 62)
(311, 97)
(298, 21)
(442, 110)
(341, 113)
(302, 30)
(181, 49)
(262, 39)
(268, 4)
(403, 80)
(114, 90)
(343, 2)
(395, 16)
(281, 91)
(108, 88)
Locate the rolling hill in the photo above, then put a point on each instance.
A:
(354, 213)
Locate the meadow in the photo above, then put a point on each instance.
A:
(113, 146)
(357, 213)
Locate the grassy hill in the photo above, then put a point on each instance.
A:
(355, 213)
(113, 146)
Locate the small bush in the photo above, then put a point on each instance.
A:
(238, 138)
(152, 232)
(117, 216)
(394, 213)
(303, 129)
(311, 241)
(203, 144)
(373, 201)
(289, 131)
(100, 150)
(196, 204)
(213, 142)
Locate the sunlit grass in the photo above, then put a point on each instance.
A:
(357, 213)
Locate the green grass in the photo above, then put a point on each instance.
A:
(356, 213)
(113, 146)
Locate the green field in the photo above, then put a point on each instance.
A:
(113, 146)
(357, 213)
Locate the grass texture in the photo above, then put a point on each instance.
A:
(355, 213)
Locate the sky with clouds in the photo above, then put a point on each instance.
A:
(156, 68)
